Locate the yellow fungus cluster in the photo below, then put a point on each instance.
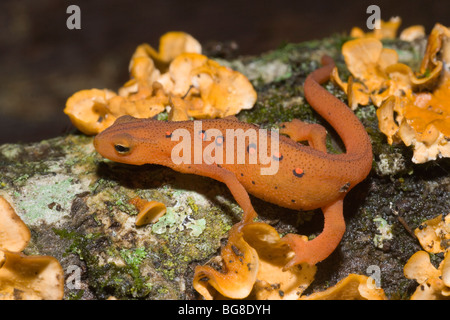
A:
(149, 211)
(25, 277)
(177, 78)
(386, 30)
(253, 267)
(434, 283)
(413, 107)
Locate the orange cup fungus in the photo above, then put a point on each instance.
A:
(25, 277)
(171, 45)
(413, 107)
(206, 89)
(434, 283)
(412, 33)
(434, 234)
(88, 110)
(423, 116)
(253, 262)
(387, 30)
(30, 277)
(149, 211)
(367, 60)
(253, 267)
(14, 234)
(239, 269)
(353, 287)
(176, 78)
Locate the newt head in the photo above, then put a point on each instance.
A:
(126, 141)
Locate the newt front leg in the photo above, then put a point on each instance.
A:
(228, 178)
(298, 131)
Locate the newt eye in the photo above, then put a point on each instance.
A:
(123, 143)
(120, 148)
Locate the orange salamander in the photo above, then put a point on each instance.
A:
(307, 176)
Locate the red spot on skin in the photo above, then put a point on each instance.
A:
(219, 140)
(168, 134)
(277, 156)
(251, 149)
(298, 172)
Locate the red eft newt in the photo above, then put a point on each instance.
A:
(307, 177)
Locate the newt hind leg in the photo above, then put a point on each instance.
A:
(298, 131)
(323, 245)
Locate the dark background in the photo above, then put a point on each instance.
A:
(42, 63)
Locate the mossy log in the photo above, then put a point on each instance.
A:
(76, 203)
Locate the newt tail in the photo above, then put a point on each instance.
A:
(358, 155)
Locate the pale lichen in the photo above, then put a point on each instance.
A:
(390, 164)
(385, 232)
(47, 198)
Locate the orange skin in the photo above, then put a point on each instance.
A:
(321, 181)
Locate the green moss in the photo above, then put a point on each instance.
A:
(78, 243)
(191, 203)
(101, 184)
(277, 108)
(368, 113)
(163, 116)
(109, 279)
(75, 295)
(182, 243)
(133, 258)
